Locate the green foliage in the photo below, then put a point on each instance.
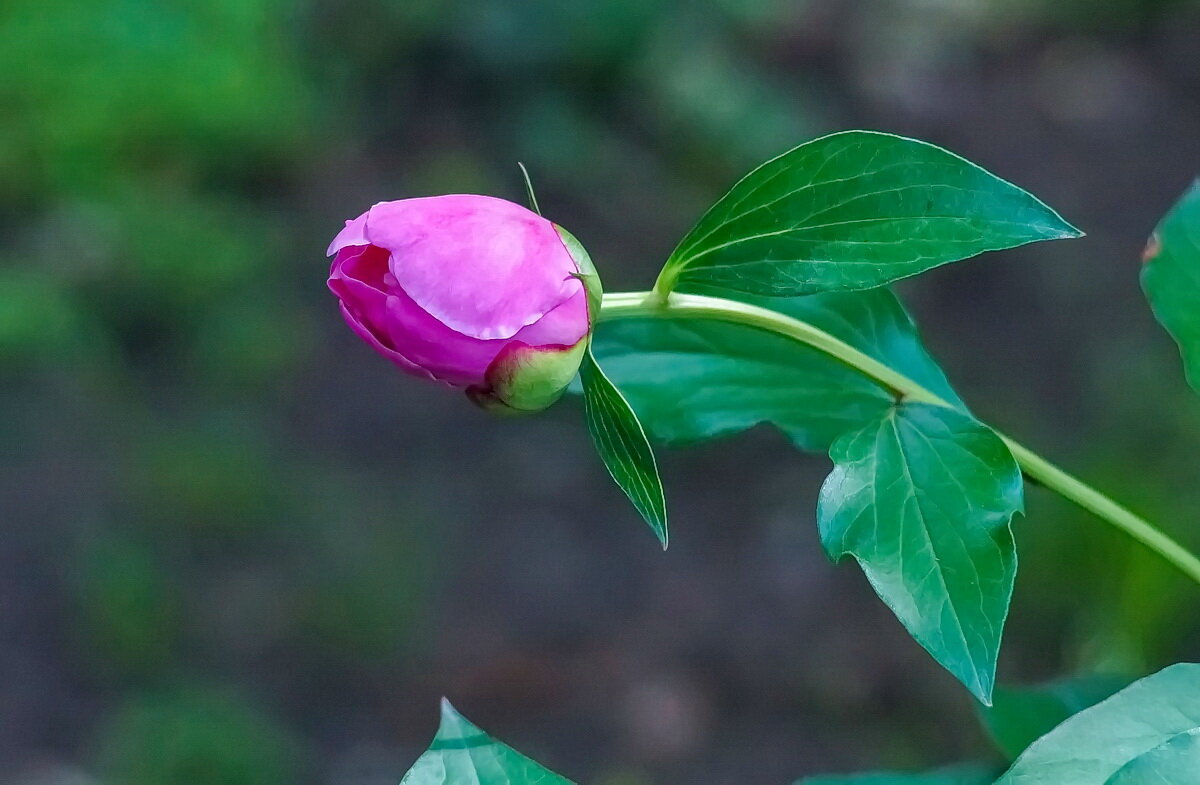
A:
(855, 210)
(923, 499)
(623, 446)
(955, 775)
(196, 736)
(1143, 735)
(1171, 278)
(1175, 762)
(131, 606)
(462, 754)
(37, 318)
(695, 379)
(97, 91)
(1020, 716)
(360, 579)
(219, 479)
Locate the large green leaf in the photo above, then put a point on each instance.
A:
(968, 774)
(1176, 762)
(694, 379)
(855, 210)
(623, 446)
(1143, 735)
(462, 754)
(923, 498)
(1171, 278)
(1020, 716)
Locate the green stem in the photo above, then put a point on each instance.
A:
(624, 305)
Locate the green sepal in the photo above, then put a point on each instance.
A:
(525, 379)
(587, 274)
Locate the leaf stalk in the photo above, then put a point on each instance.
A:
(675, 305)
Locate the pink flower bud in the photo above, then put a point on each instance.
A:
(471, 291)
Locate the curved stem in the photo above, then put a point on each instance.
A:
(624, 305)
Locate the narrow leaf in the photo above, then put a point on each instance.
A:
(1171, 278)
(923, 499)
(623, 446)
(462, 754)
(1143, 735)
(967, 774)
(695, 379)
(855, 210)
(529, 194)
(1020, 716)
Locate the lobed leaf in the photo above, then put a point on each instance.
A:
(1171, 278)
(696, 379)
(1146, 734)
(462, 754)
(923, 499)
(622, 445)
(855, 210)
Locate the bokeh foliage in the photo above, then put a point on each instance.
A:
(221, 526)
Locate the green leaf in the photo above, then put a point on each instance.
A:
(1176, 762)
(1171, 278)
(1143, 735)
(462, 754)
(968, 774)
(855, 210)
(695, 379)
(1020, 716)
(623, 446)
(529, 194)
(923, 499)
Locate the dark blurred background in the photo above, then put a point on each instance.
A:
(239, 548)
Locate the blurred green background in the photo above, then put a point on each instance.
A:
(241, 549)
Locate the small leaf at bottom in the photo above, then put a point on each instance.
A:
(1143, 735)
(462, 754)
(1020, 716)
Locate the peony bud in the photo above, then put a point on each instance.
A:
(471, 291)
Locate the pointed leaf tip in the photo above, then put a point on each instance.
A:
(622, 445)
(923, 500)
(855, 210)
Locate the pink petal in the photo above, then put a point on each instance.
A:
(457, 359)
(563, 326)
(390, 354)
(364, 303)
(354, 233)
(484, 267)
(388, 318)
